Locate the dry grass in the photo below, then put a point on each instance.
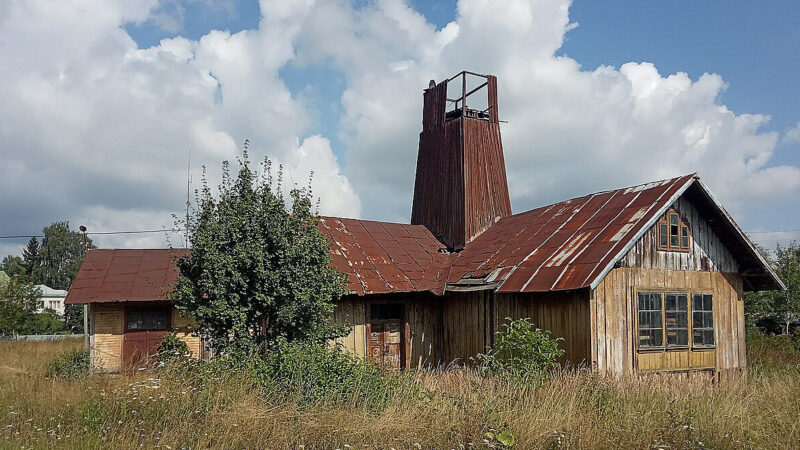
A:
(455, 409)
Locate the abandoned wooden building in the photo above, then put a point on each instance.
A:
(639, 279)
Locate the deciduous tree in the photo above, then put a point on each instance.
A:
(259, 270)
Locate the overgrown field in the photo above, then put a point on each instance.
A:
(456, 408)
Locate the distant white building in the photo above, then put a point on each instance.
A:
(51, 299)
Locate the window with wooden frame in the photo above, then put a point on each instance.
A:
(673, 233)
(702, 320)
(664, 320)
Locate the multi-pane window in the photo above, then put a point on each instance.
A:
(702, 320)
(664, 321)
(673, 233)
(650, 320)
(676, 320)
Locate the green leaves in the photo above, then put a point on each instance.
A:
(521, 352)
(259, 269)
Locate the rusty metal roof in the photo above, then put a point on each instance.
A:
(566, 245)
(112, 275)
(383, 257)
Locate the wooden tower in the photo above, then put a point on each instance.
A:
(461, 187)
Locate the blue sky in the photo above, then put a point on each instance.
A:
(755, 46)
(106, 105)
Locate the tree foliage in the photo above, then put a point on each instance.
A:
(782, 307)
(521, 352)
(259, 269)
(14, 266)
(60, 255)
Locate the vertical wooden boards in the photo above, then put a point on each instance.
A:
(108, 332)
(614, 332)
(707, 252)
(566, 314)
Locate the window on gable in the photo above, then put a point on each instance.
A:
(673, 233)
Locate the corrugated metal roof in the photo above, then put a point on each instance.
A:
(383, 257)
(567, 245)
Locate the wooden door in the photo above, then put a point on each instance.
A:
(144, 331)
(385, 346)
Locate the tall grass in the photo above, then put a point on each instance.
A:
(436, 409)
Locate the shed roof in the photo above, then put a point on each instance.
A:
(113, 275)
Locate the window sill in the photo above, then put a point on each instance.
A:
(675, 349)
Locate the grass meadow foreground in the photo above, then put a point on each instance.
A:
(455, 408)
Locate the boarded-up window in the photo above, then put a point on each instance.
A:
(702, 320)
(673, 233)
(650, 320)
(676, 320)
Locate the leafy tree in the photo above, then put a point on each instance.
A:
(780, 306)
(14, 266)
(259, 270)
(31, 256)
(60, 256)
(17, 306)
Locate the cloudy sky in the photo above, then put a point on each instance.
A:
(103, 100)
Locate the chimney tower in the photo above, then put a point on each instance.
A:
(461, 187)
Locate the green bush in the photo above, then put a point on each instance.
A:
(70, 365)
(521, 353)
(312, 373)
(172, 349)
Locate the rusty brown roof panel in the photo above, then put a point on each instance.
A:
(386, 257)
(125, 275)
(567, 245)
(564, 245)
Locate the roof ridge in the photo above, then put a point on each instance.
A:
(694, 174)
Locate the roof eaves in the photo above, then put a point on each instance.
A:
(742, 235)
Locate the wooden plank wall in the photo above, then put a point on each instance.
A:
(565, 314)
(351, 311)
(707, 251)
(458, 326)
(613, 344)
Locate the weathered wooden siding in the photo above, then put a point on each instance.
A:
(423, 319)
(106, 340)
(707, 251)
(613, 344)
(351, 311)
(565, 314)
(456, 327)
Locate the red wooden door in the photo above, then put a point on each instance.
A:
(144, 331)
